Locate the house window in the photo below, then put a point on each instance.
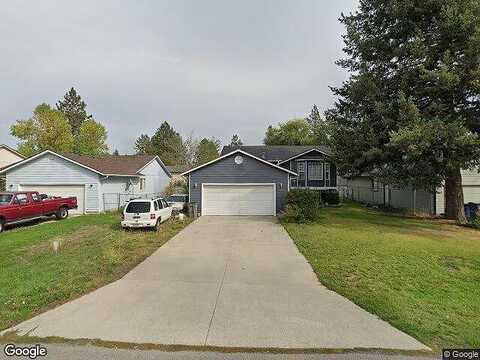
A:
(315, 170)
(301, 170)
(142, 183)
(327, 174)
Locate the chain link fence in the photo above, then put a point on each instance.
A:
(116, 201)
(416, 202)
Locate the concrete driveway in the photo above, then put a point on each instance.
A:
(222, 281)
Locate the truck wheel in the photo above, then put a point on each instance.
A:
(157, 225)
(62, 213)
(2, 225)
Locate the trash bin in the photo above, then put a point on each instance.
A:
(471, 210)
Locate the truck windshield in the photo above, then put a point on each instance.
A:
(5, 199)
(138, 207)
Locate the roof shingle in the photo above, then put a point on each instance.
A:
(113, 164)
(275, 152)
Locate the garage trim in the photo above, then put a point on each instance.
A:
(85, 210)
(274, 185)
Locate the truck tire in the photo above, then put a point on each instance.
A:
(61, 213)
(2, 225)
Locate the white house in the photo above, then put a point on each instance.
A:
(99, 183)
(9, 156)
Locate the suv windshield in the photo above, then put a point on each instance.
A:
(138, 207)
(177, 198)
(5, 199)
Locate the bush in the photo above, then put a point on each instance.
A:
(302, 205)
(331, 197)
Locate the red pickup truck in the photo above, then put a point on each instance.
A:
(17, 207)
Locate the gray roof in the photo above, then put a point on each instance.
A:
(178, 169)
(276, 152)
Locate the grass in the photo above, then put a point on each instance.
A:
(93, 251)
(422, 276)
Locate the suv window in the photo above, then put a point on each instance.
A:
(155, 205)
(160, 205)
(165, 205)
(138, 207)
(21, 199)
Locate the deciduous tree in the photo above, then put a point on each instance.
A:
(292, 132)
(208, 149)
(91, 139)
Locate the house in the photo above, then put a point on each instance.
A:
(366, 188)
(9, 156)
(254, 180)
(99, 183)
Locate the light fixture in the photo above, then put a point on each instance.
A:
(238, 159)
(195, 185)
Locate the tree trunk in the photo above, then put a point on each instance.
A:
(454, 206)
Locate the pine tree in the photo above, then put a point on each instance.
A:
(236, 141)
(321, 129)
(410, 111)
(74, 109)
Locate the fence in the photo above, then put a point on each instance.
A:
(116, 201)
(418, 202)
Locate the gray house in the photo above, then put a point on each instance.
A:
(254, 180)
(99, 183)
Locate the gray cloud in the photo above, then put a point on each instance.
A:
(213, 67)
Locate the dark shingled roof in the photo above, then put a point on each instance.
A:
(275, 152)
(113, 164)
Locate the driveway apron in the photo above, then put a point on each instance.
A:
(222, 281)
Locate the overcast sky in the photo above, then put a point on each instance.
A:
(211, 68)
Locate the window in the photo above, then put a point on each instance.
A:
(142, 183)
(138, 207)
(165, 205)
(35, 197)
(315, 170)
(21, 199)
(5, 199)
(301, 170)
(160, 205)
(327, 174)
(155, 205)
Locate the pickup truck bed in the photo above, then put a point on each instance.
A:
(18, 207)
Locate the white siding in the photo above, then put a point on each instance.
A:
(156, 179)
(7, 157)
(52, 170)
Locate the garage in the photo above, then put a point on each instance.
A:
(238, 199)
(238, 183)
(63, 191)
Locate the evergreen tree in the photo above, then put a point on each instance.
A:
(168, 145)
(236, 141)
(321, 128)
(75, 110)
(208, 150)
(410, 111)
(143, 145)
(115, 152)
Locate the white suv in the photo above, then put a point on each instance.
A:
(140, 213)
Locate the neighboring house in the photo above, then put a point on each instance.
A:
(8, 156)
(99, 183)
(366, 189)
(177, 171)
(254, 180)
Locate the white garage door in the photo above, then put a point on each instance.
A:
(61, 190)
(238, 199)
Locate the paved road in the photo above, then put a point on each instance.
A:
(80, 352)
(223, 281)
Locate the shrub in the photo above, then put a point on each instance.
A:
(302, 205)
(331, 197)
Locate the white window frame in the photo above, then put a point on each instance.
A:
(302, 163)
(327, 171)
(320, 175)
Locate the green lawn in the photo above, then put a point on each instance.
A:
(94, 251)
(422, 276)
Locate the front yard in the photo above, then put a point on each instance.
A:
(421, 276)
(93, 251)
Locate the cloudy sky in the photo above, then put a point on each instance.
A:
(210, 67)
